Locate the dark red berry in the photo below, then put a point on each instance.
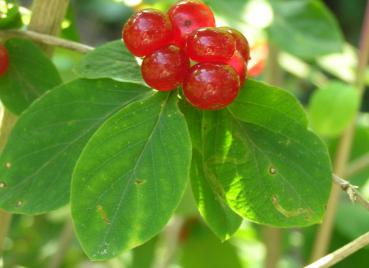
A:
(4, 60)
(242, 45)
(211, 45)
(211, 86)
(187, 16)
(146, 31)
(239, 65)
(166, 68)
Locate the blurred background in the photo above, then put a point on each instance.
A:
(48, 240)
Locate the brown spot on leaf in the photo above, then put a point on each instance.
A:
(139, 182)
(272, 170)
(307, 212)
(102, 213)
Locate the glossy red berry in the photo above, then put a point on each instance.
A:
(4, 60)
(211, 45)
(146, 31)
(211, 86)
(187, 16)
(242, 45)
(239, 65)
(166, 68)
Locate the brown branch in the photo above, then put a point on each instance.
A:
(352, 191)
(5, 219)
(272, 237)
(47, 40)
(324, 233)
(342, 253)
(7, 121)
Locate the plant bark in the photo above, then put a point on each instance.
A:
(47, 16)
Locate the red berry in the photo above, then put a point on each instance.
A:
(211, 45)
(146, 31)
(166, 68)
(242, 45)
(187, 16)
(4, 60)
(211, 86)
(239, 65)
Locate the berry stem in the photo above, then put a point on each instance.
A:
(47, 40)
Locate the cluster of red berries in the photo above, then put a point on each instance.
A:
(4, 60)
(187, 33)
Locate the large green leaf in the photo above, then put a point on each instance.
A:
(37, 163)
(271, 168)
(305, 28)
(30, 74)
(332, 108)
(131, 176)
(111, 60)
(209, 197)
(211, 200)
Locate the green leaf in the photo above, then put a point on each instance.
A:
(209, 198)
(332, 108)
(111, 60)
(30, 75)
(271, 168)
(131, 176)
(10, 17)
(305, 28)
(37, 163)
(202, 249)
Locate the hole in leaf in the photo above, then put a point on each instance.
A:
(2, 185)
(139, 181)
(8, 165)
(272, 170)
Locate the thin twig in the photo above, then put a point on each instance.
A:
(5, 219)
(168, 244)
(47, 39)
(272, 237)
(7, 121)
(342, 253)
(65, 239)
(324, 233)
(352, 191)
(357, 166)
